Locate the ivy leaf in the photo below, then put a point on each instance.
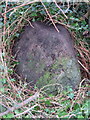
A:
(80, 116)
(1, 24)
(71, 95)
(33, 14)
(47, 110)
(47, 102)
(2, 89)
(10, 115)
(17, 34)
(12, 79)
(70, 89)
(3, 80)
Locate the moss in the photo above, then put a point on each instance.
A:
(62, 71)
(44, 80)
(48, 75)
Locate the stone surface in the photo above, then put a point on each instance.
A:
(46, 56)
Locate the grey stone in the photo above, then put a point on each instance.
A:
(46, 56)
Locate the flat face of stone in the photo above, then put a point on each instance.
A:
(46, 56)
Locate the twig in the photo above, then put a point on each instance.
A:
(28, 22)
(19, 105)
(3, 105)
(19, 6)
(68, 7)
(51, 85)
(26, 111)
(50, 16)
(5, 19)
(4, 51)
(60, 9)
(78, 93)
(84, 67)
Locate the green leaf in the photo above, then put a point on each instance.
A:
(1, 67)
(18, 111)
(33, 19)
(53, 111)
(3, 80)
(12, 79)
(47, 102)
(10, 115)
(10, 70)
(70, 89)
(71, 95)
(15, 62)
(2, 89)
(37, 108)
(80, 116)
(1, 24)
(47, 110)
(62, 113)
(88, 93)
(3, 54)
(21, 12)
(50, 95)
(17, 34)
(3, 6)
(76, 106)
(33, 15)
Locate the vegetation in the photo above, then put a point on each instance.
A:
(19, 101)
